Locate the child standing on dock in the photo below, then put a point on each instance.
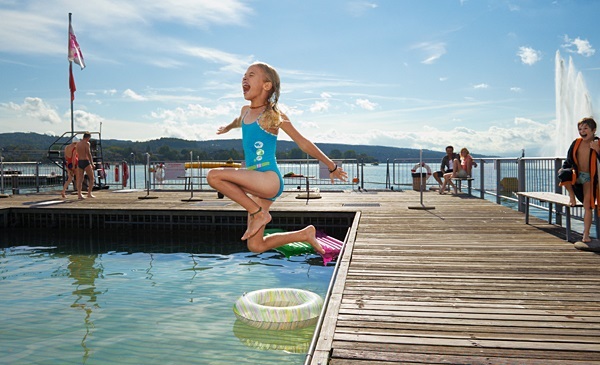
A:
(256, 187)
(579, 174)
(70, 162)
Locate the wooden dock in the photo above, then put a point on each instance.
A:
(465, 283)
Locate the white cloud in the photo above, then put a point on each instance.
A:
(433, 51)
(359, 8)
(130, 94)
(579, 46)
(496, 140)
(320, 106)
(529, 56)
(481, 86)
(366, 104)
(86, 121)
(34, 109)
(193, 113)
(515, 89)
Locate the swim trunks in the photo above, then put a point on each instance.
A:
(260, 150)
(583, 177)
(82, 164)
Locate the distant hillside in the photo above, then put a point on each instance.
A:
(33, 146)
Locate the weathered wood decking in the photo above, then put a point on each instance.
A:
(465, 283)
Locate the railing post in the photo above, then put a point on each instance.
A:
(498, 178)
(482, 179)
(1, 171)
(362, 174)
(521, 182)
(558, 190)
(387, 174)
(557, 166)
(37, 177)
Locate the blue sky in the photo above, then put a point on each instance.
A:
(415, 74)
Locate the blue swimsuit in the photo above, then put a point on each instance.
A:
(259, 150)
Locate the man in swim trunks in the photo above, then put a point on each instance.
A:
(578, 174)
(85, 165)
(70, 162)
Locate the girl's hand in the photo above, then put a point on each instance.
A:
(339, 174)
(222, 130)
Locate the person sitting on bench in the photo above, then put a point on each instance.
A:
(462, 169)
(446, 165)
(578, 173)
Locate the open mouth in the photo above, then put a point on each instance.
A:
(245, 88)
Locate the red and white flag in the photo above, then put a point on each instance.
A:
(75, 54)
(72, 83)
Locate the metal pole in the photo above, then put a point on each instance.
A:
(147, 178)
(421, 185)
(130, 175)
(2, 171)
(70, 73)
(192, 174)
(421, 174)
(191, 198)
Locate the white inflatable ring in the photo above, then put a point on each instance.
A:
(421, 165)
(279, 309)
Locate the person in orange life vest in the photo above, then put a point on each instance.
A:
(70, 162)
(579, 174)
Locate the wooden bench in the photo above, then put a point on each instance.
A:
(554, 199)
(458, 182)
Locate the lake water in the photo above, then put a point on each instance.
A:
(133, 299)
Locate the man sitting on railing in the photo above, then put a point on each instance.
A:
(446, 165)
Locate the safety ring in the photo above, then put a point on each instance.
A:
(421, 165)
(279, 309)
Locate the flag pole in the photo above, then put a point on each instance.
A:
(70, 73)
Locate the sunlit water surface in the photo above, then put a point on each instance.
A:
(77, 299)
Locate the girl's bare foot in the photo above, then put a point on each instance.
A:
(255, 222)
(586, 238)
(91, 196)
(311, 237)
(63, 195)
(572, 201)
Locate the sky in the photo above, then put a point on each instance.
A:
(413, 74)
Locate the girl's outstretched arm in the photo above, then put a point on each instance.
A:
(336, 172)
(237, 123)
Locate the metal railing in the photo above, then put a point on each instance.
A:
(29, 177)
(495, 179)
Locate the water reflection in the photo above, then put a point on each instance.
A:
(84, 272)
(294, 341)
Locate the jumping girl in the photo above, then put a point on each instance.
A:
(256, 187)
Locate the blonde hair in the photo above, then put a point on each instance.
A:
(271, 116)
(464, 149)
